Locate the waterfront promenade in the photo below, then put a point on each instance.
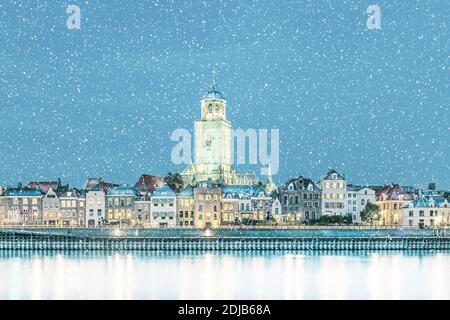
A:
(224, 239)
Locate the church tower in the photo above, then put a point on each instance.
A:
(212, 142)
(213, 131)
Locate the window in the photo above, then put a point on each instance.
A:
(421, 213)
(215, 208)
(200, 208)
(411, 213)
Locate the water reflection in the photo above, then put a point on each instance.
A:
(226, 275)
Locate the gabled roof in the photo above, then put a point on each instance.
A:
(163, 191)
(422, 202)
(44, 186)
(23, 192)
(260, 190)
(392, 192)
(148, 183)
(124, 190)
(330, 174)
(300, 183)
(97, 184)
(186, 192)
(238, 191)
(71, 193)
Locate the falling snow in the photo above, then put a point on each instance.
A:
(103, 100)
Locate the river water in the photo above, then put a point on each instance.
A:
(211, 275)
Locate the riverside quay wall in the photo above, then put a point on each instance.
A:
(233, 239)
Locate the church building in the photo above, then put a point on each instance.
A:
(213, 138)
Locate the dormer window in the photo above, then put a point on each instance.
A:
(334, 176)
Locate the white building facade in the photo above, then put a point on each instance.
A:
(95, 207)
(357, 199)
(163, 208)
(334, 191)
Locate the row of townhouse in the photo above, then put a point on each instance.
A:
(303, 200)
(210, 205)
(151, 203)
(52, 204)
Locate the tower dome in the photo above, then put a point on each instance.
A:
(213, 93)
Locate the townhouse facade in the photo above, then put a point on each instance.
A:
(237, 203)
(142, 211)
(163, 208)
(357, 199)
(120, 205)
(390, 199)
(22, 206)
(208, 205)
(185, 207)
(334, 190)
(73, 208)
(51, 214)
(300, 199)
(426, 212)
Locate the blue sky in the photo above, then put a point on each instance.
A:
(103, 100)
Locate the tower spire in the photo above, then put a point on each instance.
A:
(269, 185)
(213, 83)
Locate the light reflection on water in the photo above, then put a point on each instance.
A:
(232, 275)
